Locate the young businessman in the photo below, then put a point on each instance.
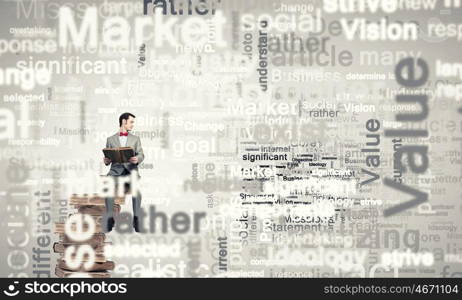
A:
(124, 138)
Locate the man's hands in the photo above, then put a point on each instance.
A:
(107, 161)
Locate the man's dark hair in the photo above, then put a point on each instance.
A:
(125, 116)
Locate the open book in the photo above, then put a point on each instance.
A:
(119, 155)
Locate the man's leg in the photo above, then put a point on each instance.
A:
(136, 203)
(109, 207)
(108, 219)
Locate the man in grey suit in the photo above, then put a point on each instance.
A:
(124, 138)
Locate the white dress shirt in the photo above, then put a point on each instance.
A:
(123, 140)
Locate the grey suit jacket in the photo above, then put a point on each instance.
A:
(133, 141)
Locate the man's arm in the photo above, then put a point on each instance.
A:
(139, 151)
(107, 161)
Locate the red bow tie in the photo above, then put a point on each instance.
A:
(123, 134)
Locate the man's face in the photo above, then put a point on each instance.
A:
(130, 122)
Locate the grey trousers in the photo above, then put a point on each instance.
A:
(136, 202)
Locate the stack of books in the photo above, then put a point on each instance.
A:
(93, 206)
